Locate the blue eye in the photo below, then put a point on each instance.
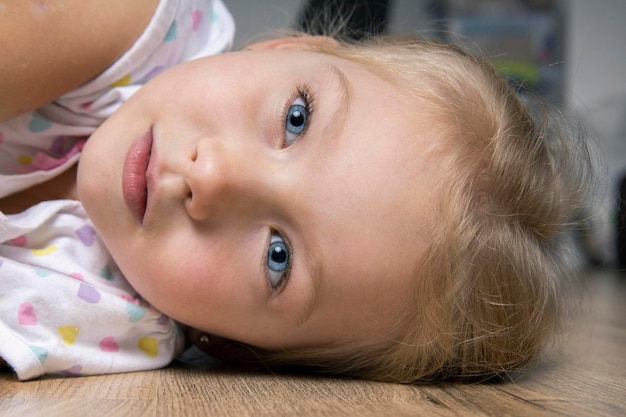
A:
(278, 260)
(296, 120)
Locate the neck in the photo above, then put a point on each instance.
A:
(60, 187)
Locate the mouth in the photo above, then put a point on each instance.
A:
(134, 178)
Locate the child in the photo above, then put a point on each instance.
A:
(64, 305)
(386, 210)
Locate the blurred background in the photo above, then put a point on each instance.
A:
(573, 52)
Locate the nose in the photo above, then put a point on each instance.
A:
(223, 180)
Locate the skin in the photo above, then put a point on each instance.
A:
(40, 61)
(51, 47)
(353, 196)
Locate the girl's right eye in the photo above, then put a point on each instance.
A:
(278, 261)
(297, 117)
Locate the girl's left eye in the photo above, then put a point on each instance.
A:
(278, 261)
(297, 119)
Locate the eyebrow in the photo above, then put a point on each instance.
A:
(315, 266)
(335, 124)
(316, 272)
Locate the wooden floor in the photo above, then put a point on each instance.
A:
(586, 377)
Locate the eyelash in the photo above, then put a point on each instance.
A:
(305, 91)
(288, 268)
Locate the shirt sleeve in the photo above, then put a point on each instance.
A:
(41, 144)
(65, 308)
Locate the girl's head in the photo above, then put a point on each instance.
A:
(277, 196)
(490, 290)
(387, 210)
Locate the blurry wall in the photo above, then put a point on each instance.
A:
(595, 65)
(592, 81)
(257, 16)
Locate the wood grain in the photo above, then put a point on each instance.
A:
(586, 375)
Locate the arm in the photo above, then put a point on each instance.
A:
(49, 48)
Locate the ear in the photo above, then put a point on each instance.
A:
(215, 346)
(297, 42)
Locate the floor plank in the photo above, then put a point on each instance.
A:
(585, 375)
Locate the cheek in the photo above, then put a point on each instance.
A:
(94, 172)
(183, 279)
(186, 91)
(163, 273)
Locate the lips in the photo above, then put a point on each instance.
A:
(134, 181)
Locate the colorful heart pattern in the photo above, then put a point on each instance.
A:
(87, 235)
(108, 344)
(20, 241)
(196, 20)
(87, 289)
(172, 32)
(135, 312)
(41, 353)
(106, 273)
(75, 370)
(26, 315)
(39, 124)
(45, 251)
(69, 334)
(89, 293)
(149, 346)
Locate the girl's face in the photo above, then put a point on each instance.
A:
(276, 196)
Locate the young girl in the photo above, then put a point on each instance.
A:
(386, 210)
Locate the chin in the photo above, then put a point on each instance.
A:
(96, 174)
(86, 182)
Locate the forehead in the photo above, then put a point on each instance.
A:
(374, 202)
(381, 176)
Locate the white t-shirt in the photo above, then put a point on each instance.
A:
(41, 144)
(65, 308)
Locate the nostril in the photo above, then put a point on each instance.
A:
(194, 156)
(187, 195)
(190, 206)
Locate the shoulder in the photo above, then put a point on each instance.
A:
(50, 48)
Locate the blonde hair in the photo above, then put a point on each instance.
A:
(489, 295)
